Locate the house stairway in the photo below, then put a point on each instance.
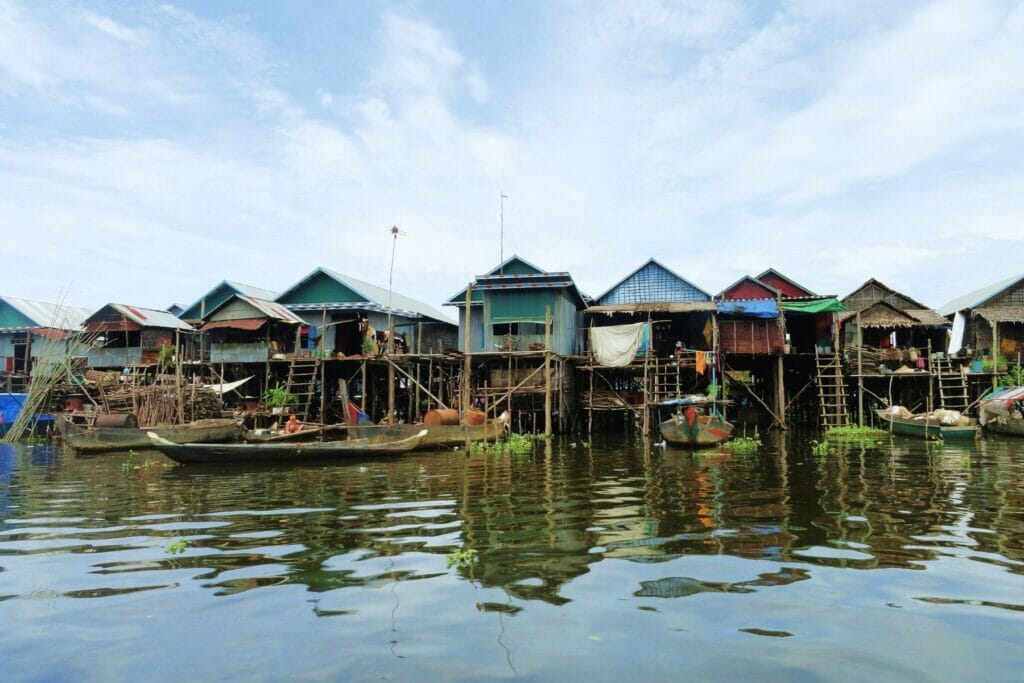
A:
(302, 374)
(952, 384)
(831, 390)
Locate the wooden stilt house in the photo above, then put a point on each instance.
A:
(989, 322)
(131, 335)
(673, 323)
(244, 329)
(27, 328)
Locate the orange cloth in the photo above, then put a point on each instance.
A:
(702, 364)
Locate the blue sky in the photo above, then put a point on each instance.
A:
(148, 151)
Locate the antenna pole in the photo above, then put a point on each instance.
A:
(501, 216)
(391, 275)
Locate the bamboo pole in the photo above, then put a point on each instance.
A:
(177, 376)
(467, 337)
(860, 373)
(362, 397)
(780, 390)
(394, 367)
(547, 371)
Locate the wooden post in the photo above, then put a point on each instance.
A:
(414, 412)
(780, 390)
(391, 390)
(995, 355)
(323, 394)
(362, 397)
(177, 376)
(467, 340)
(931, 380)
(860, 373)
(547, 371)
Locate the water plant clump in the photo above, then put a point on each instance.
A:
(177, 547)
(515, 444)
(855, 435)
(743, 444)
(462, 557)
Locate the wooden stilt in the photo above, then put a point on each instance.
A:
(547, 371)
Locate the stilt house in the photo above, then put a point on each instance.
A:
(989, 319)
(26, 328)
(514, 299)
(341, 308)
(244, 329)
(132, 335)
(890, 320)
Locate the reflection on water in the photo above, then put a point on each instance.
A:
(904, 561)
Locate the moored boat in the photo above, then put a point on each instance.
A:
(248, 453)
(692, 429)
(1002, 412)
(438, 436)
(932, 426)
(106, 439)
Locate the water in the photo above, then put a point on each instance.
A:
(904, 562)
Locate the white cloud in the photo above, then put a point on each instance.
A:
(833, 142)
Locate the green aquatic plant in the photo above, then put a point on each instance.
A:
(462, 557)
(515, 444)
(178, 547)
(743, 444)
(819, 448)
(853, 435)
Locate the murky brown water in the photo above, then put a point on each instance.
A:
(904, 562)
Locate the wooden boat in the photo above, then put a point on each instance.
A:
(438, 436)
(1002, 412)
(311, 433)
(928, 427)
(194, 453)
(106, 439)
(443, 436)
(693, 430)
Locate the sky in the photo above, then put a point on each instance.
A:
(150, 150)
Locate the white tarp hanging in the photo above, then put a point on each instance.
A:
(230, 386)
(616, 345)
(956, 339)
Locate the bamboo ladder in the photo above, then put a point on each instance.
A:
(831, 390)
(952, 384)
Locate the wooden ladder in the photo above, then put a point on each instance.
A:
(302, 375)
(831, 390)
(952, 384)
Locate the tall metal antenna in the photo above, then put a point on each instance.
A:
(501, 213)
(395, 232)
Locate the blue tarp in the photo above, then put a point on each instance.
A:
(10, 406)
(749, 308)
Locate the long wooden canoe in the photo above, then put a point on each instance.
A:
(246, 453)
(107, 439)
(923, 427)
(447, 436)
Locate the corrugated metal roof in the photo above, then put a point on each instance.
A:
(654, 307)
(976, 298)
(687, 293)
(43, 314)
(148, 317)
(271, 309)
(376, 297)
(256, 292)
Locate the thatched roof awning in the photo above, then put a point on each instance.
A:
(1001, 314)
(880, 314)
(655, 307)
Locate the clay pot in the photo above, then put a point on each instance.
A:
(440, 416)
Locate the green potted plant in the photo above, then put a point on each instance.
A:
(277, 398)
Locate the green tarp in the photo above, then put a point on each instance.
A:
(830, 305)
